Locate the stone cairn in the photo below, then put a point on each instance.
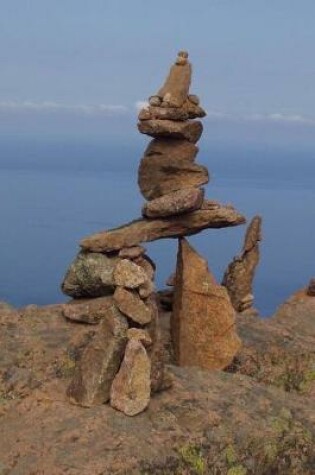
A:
(111, 280)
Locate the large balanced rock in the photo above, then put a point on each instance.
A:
(144, 230)
(175, 203)
(161, 174)
(203, 320)
(130, 391)
(90, 275)
(239, 276)
(100, 361)
(174, 149)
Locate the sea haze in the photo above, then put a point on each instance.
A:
(54, 192)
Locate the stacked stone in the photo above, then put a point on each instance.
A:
(168, 177)
(121, 363)
(112, 279)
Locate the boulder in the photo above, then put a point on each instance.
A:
(175, 203)
(128, 274)
(90, 275)
(203, 320)
(159, 175)
(238, 277)
(90, 311)
(100, 361)
(130, 391)
(188, 130)
(131, 305)
(144, 230)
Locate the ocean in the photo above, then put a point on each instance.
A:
(53, 192)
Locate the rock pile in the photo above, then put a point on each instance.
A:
(112, 279)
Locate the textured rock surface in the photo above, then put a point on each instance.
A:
(131, 252)
(100, 362)
(141, 335)
(144, 230)
(189, 130)
(213, 420)
(175, 203)
(130, 391)
(175, 149)
(189, 110)
(131, 305)
(88, 310)
(238, 277)
(90, 275)
(203, 320)
(128, 274)
(175, 90)
(160, 175)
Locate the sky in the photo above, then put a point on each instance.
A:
(77, 67)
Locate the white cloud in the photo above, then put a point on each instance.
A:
(50, 106)
(275, 117)
(141, 105)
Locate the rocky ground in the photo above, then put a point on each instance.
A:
(258, 417)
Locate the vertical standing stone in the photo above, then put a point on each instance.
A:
(203, 319)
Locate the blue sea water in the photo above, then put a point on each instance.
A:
(54, 192)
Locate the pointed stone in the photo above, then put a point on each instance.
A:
(190, 130)
(100, 362)
(175, 90)
(144, 230)
(90, 275)
(175, 203)
(203, 319)
(239, 275)
(131, 305)
(130, 391)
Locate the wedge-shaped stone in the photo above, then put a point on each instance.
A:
(90, 275)
(131, 305)
(130, 391)
(100, 361)
(175, 90)
(144, 230)
(189, 130)
(175, 203)
(203, 319)
(160, 175)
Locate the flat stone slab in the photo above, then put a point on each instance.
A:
(145, 230)
(175, 203)
(190, 130)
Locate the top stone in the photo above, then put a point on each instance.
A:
(175, 90)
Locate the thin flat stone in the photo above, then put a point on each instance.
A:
(175, 203)
(189, 130)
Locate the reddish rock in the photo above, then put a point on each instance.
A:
(146, 289)
(131, 305)
(203, 320)
(100, 361)
(159, 175)
(239, 276)
(90, 275)
(175, 203)
(128, 274)
(144, 230)
(88, 310)
(147, 264)
(130, 391)
(131, 252)
(175, 90)
(188, 130)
